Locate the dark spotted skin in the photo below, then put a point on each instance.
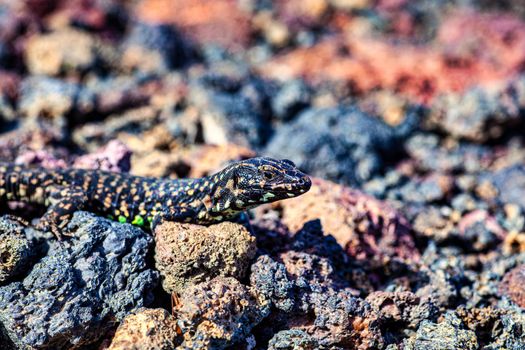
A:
(145, 201)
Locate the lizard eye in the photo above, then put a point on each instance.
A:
(268, 175)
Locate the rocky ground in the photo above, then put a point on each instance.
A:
(409, 115)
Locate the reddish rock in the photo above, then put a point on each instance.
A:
(364, 226)
(9, 84)
(219, 22)
(470, 49)
(512, 285)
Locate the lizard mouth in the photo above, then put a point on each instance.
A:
(296, 187)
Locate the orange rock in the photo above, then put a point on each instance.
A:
(206, 21)
(470, 49)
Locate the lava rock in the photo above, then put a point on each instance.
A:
(155, 48)
(481, 230)
(115, 94)
(433, 188)
(228, 112)
(354, 219)
(303, 285)
(115, 156)
(340, 144)
(187, 254)
(219, 313)
(430, 153)
(501, 327)
(64, 50)
(269, 277)
(510, 184)
(448, 334)
(292, 97)
(72, 293)
(478, 114)
(293, 339)
(343, 320)
(54, 98)
(146, 329)
(16, 251)
(512, 285)
(401, 308)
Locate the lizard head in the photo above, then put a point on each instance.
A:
(248, 183)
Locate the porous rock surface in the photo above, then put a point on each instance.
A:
(68, 297)
(146, 329)
(187, 254)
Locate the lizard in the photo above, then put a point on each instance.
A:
(149, 201)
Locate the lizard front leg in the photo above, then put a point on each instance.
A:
(177, 214)
(63, 202)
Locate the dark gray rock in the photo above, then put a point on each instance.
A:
(450, 334)
(55, 99)
(510, 183)
(161, 47)
(480, 114)
(291, 98)
(269, 278)
(293, 339)
(230, 113)
(336, 315)
(98, 276)
(4, 54)
(430, 153)
(341, 144)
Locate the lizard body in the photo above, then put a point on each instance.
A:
(146, 201)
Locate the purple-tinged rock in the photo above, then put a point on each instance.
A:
(115, 156)
(40, 158)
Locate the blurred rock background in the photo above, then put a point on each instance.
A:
(409, 114)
